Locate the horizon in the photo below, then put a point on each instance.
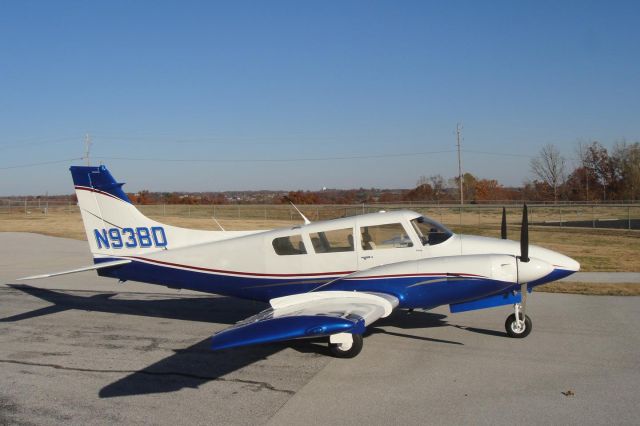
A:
(198, 96)
(448, 187)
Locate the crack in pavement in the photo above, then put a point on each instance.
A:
(259, 385)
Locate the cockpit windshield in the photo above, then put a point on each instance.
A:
(430, 231)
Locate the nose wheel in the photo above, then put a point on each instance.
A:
(518, 325)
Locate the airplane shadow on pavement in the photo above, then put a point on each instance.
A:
(190, 368)
(197, 364)
(215, 309)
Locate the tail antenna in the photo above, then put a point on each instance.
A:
(218, 223)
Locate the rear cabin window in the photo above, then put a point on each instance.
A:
(336, 240)
(387, 236)
(291, 245)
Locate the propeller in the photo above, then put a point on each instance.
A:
(503, 227)
(524, 235)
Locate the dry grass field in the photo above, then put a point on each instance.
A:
(591, 289)
(596, 250)
(69, 225)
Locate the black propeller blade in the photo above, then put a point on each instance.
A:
(503, 228)
(524, 236)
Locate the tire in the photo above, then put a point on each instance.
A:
(353, 351)
(510, 326)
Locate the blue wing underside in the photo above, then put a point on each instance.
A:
(268, 329)
(325, 314)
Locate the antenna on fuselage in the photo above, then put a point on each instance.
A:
(218, 223)
(306, 221)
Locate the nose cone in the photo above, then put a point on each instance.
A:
(557, 260)
(533, 270)
(569, 264)
(563, 266)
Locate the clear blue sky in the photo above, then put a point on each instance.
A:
(266, 80)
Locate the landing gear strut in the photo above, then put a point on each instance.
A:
(518, 328)
(518, 324)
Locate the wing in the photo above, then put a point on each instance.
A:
(306, 315)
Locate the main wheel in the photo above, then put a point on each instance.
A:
(343, 350)
(518, 332)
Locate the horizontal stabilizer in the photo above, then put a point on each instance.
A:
(73, 271)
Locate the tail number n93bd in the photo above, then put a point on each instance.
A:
(118, 238)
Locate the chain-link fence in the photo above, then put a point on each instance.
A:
(36, 207)
(622, 216)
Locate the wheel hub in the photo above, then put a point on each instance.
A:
(518, 326)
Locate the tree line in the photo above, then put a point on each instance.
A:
(598, 174)
(594, 175)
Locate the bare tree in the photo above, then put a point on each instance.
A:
(601, 165)
(583, 162)
(438, 185)
(549, 166)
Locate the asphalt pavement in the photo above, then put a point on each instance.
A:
(79, 349)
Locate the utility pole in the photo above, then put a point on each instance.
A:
(585, 168)
(87, 147)
(458, 130)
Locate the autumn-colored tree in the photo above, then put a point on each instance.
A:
(468, 187)
(488, 190)
(537, 191)
(300, 197)
(423, 192)
(626, 161)
(389, 197)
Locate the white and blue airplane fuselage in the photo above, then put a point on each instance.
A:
(330, 278)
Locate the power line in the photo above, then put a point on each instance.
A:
(276, 160)
(270, 160)
(500, 154)
(44, 163)
(29, 144)
(217, 140)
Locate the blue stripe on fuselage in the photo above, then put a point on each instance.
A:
(254, 288)
(425, 291)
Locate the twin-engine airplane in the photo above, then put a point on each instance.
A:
(325, 279)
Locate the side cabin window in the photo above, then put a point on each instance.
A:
(291, 245)
(391, 235)
(335, 240)
(430, 232)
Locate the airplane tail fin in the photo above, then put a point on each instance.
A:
(115, 227)
(112, 223)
